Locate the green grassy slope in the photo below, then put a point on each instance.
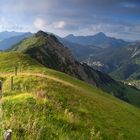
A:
(26, 64)
(46, 104)
(8, 62)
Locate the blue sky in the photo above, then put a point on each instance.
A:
(118, 18)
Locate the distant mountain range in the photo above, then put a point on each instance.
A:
(128, 61)
(110, 55)
(119, 58)
(6, 34)
(47, 50)
(99, 39)
(121, 63)
(12, 40)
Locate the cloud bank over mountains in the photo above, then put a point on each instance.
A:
(119, 18)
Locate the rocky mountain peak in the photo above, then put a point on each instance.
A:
(41, 33)
(100, 34)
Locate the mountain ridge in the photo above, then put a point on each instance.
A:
(10, 41)
(47, 50)
(99, 39)
(8, 34)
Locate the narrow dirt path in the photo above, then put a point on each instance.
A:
(51, 78)
(43, 76)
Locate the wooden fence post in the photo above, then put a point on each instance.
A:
(12, 82)
(16, 68)
(0, 89)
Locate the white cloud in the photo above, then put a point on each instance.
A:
(59, 24)
(136, 29)
(39, 24)
(129, 5)
(10, 26)
(3, 23)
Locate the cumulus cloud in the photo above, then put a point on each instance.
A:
(72, 16)
(59, 24)
(8, 25)
(40, 24)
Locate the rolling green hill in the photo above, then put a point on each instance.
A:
(46, 104)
